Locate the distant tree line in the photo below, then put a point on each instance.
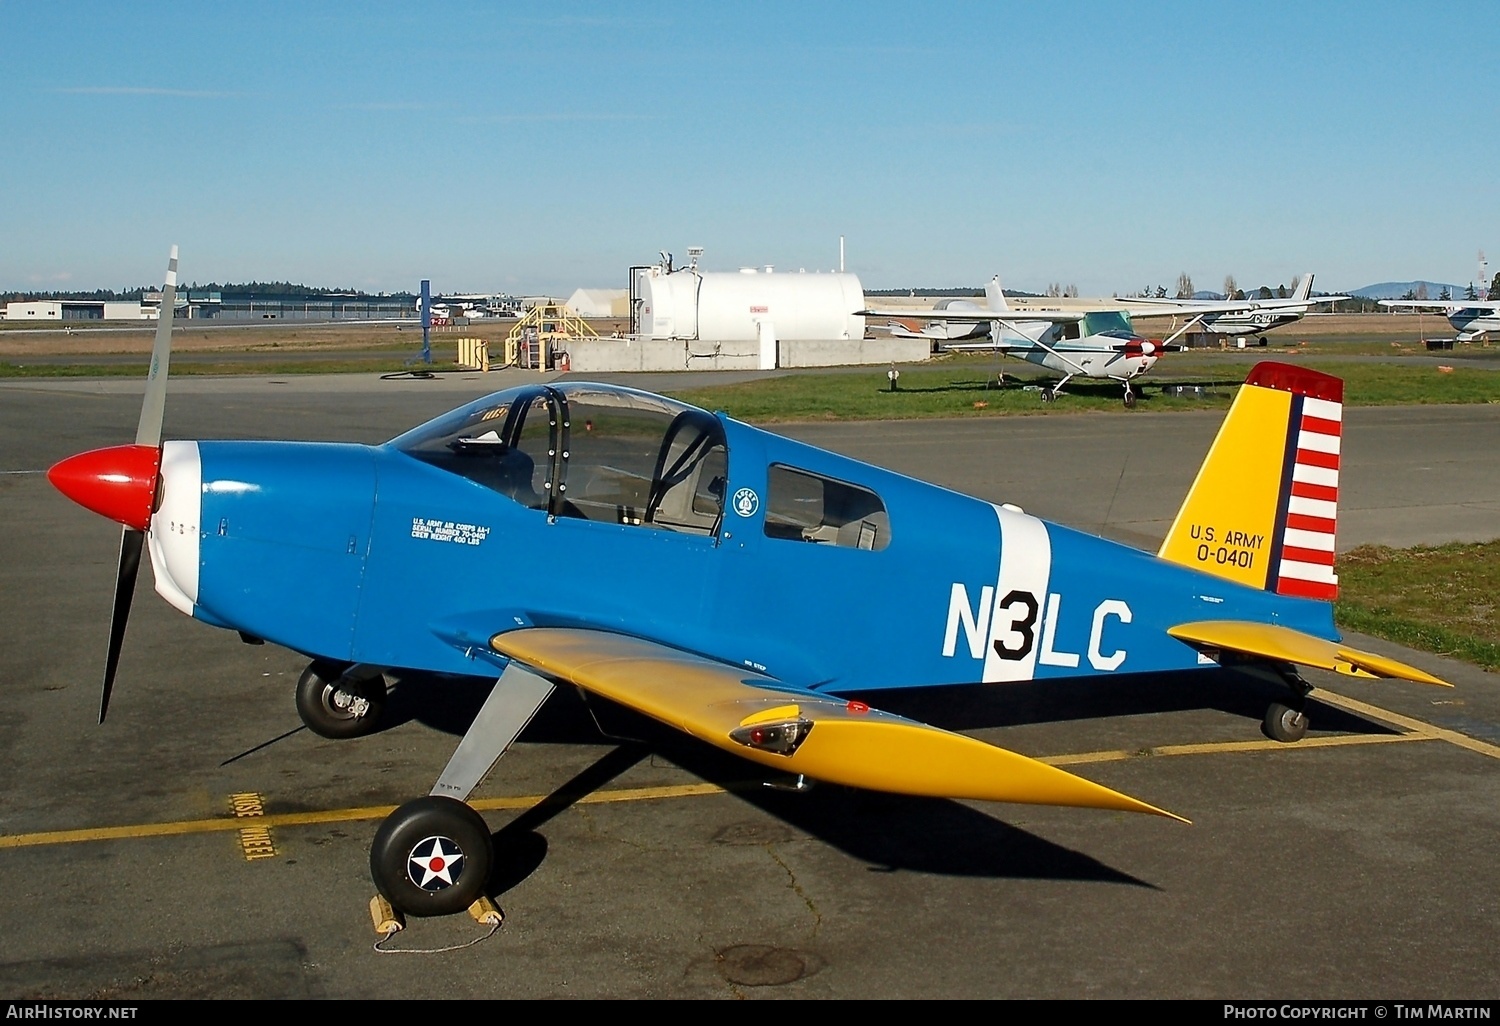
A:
(254, 288)
(97, 295)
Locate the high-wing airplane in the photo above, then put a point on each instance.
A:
(1236, 316)
(1093, 344)
(641, 551)
(1472, 319)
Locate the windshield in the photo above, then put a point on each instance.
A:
(1108, 322)
(593, 452)
(481, 419)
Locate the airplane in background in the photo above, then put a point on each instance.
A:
(943, 331)
(1091, 344)
(1236, 316)
(644, 561)
(1472, 319)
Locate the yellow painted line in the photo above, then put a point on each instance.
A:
(211, 826)
(1453, 737)
(1213, 747)
(1416, 731)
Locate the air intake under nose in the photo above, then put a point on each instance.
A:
(118, 482)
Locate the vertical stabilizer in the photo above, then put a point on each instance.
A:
(995, 295)
(1263, 508)
(1304, 287)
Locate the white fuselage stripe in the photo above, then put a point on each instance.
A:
(1025, 566)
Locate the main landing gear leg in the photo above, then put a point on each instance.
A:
(1051, 392)
(1287, 721)
(432, 856)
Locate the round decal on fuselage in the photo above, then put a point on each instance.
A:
(746, 502)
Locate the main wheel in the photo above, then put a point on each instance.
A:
(337, 706)
(1047, 394)
(1285, 724)
(432, 856)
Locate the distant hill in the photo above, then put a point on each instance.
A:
(1397, 289)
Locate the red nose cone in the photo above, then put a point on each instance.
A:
(118, 482)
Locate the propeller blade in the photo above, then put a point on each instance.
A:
(130, 562)
(148, 431)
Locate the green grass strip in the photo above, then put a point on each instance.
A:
(1437, 598)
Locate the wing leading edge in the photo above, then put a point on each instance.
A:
(839, 742)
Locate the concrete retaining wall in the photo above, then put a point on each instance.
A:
(617, 354)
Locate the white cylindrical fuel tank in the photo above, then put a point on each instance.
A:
(730, 306)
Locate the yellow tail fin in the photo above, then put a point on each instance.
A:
(1263, 508)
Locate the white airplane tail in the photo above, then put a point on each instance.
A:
(1304, 287)
(995, 295)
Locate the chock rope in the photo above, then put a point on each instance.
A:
(388, 922)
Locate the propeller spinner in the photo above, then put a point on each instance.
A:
(123, 482)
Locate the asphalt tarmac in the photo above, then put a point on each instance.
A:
(1357, 864)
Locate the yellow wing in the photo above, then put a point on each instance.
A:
(798, 731)
(1289, 646)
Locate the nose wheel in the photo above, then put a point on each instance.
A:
(336, 703)
(1129, 396)
(432, 856)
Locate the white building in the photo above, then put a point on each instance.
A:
(600, 302)
(48, 310)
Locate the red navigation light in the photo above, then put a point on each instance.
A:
(118, 482)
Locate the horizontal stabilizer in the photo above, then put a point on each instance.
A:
(1285, 645)
(833, 740)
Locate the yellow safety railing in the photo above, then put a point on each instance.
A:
(532, 338)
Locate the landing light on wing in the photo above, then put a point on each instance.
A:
(782, 738)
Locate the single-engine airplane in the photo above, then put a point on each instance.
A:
(1235, 316)
(1092, 344)
(1472, 319)
(640, 550)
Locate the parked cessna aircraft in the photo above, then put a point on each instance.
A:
(1236, 317)
(1094, 344)
(1472, 319)
(643, 561)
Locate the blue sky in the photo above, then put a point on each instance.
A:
(538, 147)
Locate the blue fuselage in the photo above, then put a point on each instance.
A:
(373, 555)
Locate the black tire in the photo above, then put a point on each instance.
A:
(1047, 395)
(432, 856)
(338, 707)
(1129, 397)
(1284, 724)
